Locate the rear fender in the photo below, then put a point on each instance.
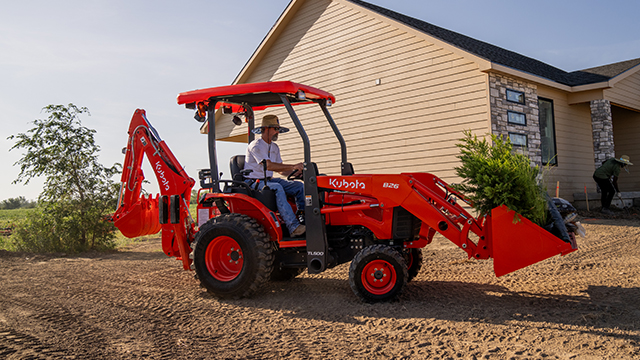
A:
(244, 204)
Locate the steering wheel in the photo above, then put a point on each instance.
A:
(294, 175)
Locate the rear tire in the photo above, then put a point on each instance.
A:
(378, 273)
(232, 255)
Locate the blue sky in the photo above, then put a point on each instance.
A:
(116, 56)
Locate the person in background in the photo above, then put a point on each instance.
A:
(606, 176)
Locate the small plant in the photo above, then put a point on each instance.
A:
(495, 175)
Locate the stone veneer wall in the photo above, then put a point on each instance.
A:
(498, 85)
(602, 127)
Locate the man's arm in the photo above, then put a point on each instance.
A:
(284, 169)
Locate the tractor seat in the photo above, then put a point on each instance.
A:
(236, 164)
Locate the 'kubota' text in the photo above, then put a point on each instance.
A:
(347, 185)
(160, 173)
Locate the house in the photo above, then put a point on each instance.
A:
(406, 90)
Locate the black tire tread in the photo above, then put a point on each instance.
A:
(247, 227)
(416, 265)
(373, 252)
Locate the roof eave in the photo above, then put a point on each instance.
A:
(524, 75)
(544, 81)
(625, 74)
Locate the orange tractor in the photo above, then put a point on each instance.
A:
(377, 222)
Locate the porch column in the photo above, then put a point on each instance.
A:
(602, 127)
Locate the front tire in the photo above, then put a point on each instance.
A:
(413, 257)
(378, 273)
(233, 257)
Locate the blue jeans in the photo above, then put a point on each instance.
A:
(283, 188)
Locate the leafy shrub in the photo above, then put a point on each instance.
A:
(78, 191)
(494, 175)
(62, 227)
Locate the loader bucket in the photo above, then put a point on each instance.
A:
(141, 218)
(520, 244)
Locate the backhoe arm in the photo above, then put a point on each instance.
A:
(138, 214)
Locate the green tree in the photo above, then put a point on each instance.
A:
(17, 203)
(78, 191)
(493, 175)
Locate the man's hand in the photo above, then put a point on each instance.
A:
(298, 167)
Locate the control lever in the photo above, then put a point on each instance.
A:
(264, 167)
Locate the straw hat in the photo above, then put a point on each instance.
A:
(624, 159)
(270, 121)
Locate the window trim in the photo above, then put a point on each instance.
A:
(506, 95)
(553, 121)
(526, 140)
(519, 113)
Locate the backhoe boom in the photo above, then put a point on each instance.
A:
(139, 215)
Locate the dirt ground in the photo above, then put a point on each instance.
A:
(140, 304)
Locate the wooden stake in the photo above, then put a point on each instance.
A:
(558, 189)
(586, 196)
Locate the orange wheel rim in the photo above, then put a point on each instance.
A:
(379, 277)
(224, 258)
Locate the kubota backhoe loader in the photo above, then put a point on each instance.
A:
(379, 223)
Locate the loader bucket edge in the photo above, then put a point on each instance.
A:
(515, 246)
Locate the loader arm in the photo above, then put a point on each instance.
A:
(138, 215)
(512, 244)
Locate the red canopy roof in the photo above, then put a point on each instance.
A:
(259, 95)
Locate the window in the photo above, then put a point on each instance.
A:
(547, 132)
(515, 96)
(518, 139)
(516, 118)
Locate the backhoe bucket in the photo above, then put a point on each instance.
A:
(520, 244)
(141, 219)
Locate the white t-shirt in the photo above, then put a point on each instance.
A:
(257, 151)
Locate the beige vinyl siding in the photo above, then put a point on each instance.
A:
(410, 122)
(626, 92)
(574, 144)
(225, 127)
(626, 132)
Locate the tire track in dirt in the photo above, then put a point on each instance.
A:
(143, 305)
(58, 320)
(16, 345)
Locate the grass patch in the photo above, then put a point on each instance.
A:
(122, 242)
(10, 218)
(13, 217)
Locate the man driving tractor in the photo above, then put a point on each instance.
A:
(265, 149)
